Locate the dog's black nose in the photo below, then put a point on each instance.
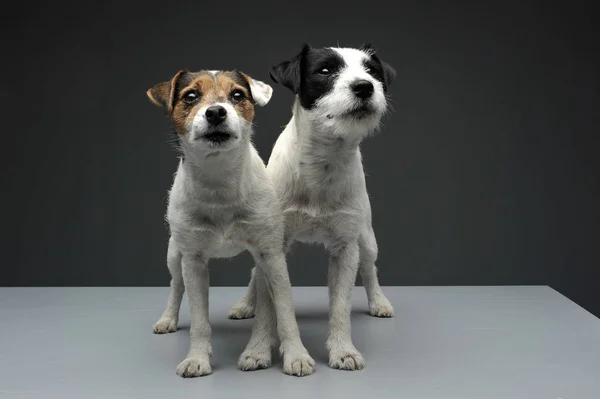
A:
(216, 114)
(362, 89)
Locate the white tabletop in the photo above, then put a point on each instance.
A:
(445, 342)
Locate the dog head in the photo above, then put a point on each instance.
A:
(342, 90)
(211, 110)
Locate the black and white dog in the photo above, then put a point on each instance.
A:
(317, 171)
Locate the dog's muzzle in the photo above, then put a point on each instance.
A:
(217, 136)
(363, 110)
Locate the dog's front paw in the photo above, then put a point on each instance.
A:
(298, 363)
(254, 360)
(165, 325)
(346, 359)
(241, 311)
(194, 367)
(381, 307)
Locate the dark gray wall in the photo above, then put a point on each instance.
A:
(486, 173)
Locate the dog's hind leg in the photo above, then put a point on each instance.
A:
(379, 305)
(168, 321)
(245, 307)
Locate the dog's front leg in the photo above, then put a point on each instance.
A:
(196, 280)
(296, 360)
(343, 266)
(258, 352)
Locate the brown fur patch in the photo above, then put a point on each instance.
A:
(163, 94)
(212, 89)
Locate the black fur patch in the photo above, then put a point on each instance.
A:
(302, 74)
(313, 84)
(288, 72)
(380, 70)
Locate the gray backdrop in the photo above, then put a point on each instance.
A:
(486, 173)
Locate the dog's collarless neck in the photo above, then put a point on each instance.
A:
(224, 172)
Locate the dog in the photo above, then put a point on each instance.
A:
(317, 171)
(222, 203)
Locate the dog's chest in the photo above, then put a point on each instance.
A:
(216, 238)
(216, 242)
(305, 226)
(225, 246)
(320, 216)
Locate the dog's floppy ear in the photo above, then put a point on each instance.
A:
(389, 73)
(163, 94)
(288, 73)
(260, 91)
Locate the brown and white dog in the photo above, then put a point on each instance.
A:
(221, 204)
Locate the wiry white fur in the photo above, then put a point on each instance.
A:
(221, 204)
(261, 92)
(317, 171)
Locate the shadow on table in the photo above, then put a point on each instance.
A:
(231, 336)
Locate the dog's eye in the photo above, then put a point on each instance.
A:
(323, 71)
(191, 97)
(237, 96)
(367, 69)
